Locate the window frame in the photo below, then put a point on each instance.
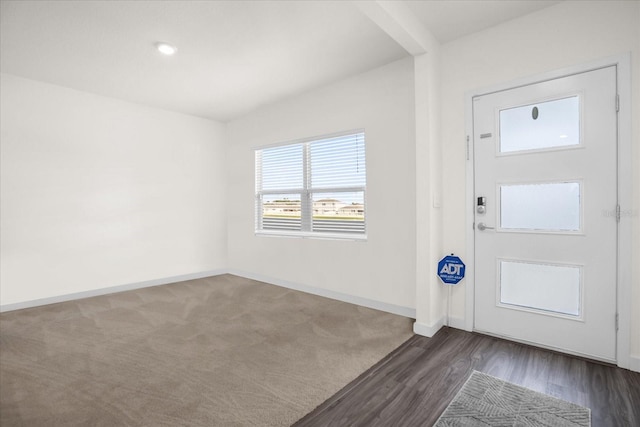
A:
(306, 193)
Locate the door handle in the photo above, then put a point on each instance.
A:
(482, 227)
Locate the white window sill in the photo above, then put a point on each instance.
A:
(309, 235)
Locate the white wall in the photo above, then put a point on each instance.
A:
(98, 192)
(561, 36)
(382, 268)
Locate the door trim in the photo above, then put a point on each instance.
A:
(625, 199)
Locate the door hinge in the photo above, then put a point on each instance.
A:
(617, 321)
(618, 213)
(617, 103)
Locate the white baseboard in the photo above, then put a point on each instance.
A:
(109, 290)
(457, 323)
(365, 302)
(428, 330)
(377, 305)
(634, 363)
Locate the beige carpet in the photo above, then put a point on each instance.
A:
(217, 351)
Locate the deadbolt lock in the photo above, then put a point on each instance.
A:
(481, 206)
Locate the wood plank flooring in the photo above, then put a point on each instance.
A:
(414, 384)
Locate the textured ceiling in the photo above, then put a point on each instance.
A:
(233, 56)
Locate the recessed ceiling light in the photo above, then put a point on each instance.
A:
(166, 48)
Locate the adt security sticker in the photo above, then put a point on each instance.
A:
(451, 270)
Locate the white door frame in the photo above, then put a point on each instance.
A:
(623, 63)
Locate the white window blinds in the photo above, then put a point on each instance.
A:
(312, 187)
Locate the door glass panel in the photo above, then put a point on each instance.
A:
(543, 287)
(538, 126)
(540, 207)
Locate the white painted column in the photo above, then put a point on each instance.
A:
(429, 291)
(397, 20)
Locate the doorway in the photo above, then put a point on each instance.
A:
(546, 213)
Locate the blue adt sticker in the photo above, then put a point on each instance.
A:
(451, 270)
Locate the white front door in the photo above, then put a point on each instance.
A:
(545, 165)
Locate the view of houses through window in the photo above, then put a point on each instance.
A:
(326, 183)
(323, 208)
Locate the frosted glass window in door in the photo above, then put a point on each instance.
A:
(545, 287)
(548, 124)
(540, 207)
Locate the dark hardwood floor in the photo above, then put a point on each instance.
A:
(414, 384)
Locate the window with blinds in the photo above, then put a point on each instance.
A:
(313, 187)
